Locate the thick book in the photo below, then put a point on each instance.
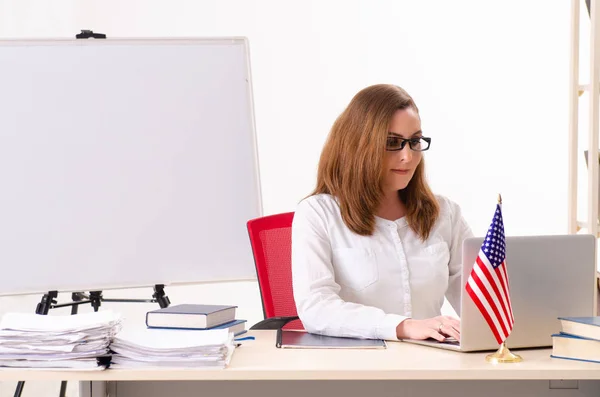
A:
(575, 348)
(238, 327)
(190, 316)
(306, 340)
(586, 327)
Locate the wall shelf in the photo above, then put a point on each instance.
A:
(575, 91)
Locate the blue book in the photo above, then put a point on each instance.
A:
(238, 327)
(586, 327)
(573, 347)
(190, 316)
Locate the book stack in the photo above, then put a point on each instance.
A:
(146, 347)
(196, 317)
(579, 339)
(57, 341)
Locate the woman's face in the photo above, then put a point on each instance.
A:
(400, 164)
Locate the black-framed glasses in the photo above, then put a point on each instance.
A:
(419, 144)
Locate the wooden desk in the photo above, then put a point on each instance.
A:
(260, 360)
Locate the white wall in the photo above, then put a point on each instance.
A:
(490, 79)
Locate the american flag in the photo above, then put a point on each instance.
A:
(488, 282)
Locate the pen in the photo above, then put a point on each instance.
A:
(245, 338)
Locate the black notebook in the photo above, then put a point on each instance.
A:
(305, 340)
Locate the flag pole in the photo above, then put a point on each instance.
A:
(503, 354)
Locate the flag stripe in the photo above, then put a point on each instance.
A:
(483, 286)
(506, 293)
(493, 280)
(493, 321)
(483, 311)
(485, 283)
(505, 277)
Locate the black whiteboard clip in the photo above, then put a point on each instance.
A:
(87, 34)
(47, 302)
(95, 299)
(159, 295)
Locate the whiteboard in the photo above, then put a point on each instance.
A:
(125, 163)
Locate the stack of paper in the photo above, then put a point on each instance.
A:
(143, 347)
(79, 341)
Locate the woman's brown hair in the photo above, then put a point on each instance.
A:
(351, 163)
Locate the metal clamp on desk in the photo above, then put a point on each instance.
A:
(87, 34)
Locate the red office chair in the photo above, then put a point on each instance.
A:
(271, 241)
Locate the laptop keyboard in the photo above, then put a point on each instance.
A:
(451, 341)
(447, 341)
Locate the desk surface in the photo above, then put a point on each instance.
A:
(260, 359)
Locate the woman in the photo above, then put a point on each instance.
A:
(374, 251)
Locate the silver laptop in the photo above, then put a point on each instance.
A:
(549, 277)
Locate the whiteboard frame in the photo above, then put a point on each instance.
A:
(220, 40)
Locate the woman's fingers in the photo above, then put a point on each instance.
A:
(436, 335)
(451, 327)
(453, 321)
(449, 330)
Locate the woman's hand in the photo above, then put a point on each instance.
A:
(438, 328)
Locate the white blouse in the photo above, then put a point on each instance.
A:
(364, 286)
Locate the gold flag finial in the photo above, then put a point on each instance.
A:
(499, 199)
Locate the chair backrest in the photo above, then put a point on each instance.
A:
(271, 241)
